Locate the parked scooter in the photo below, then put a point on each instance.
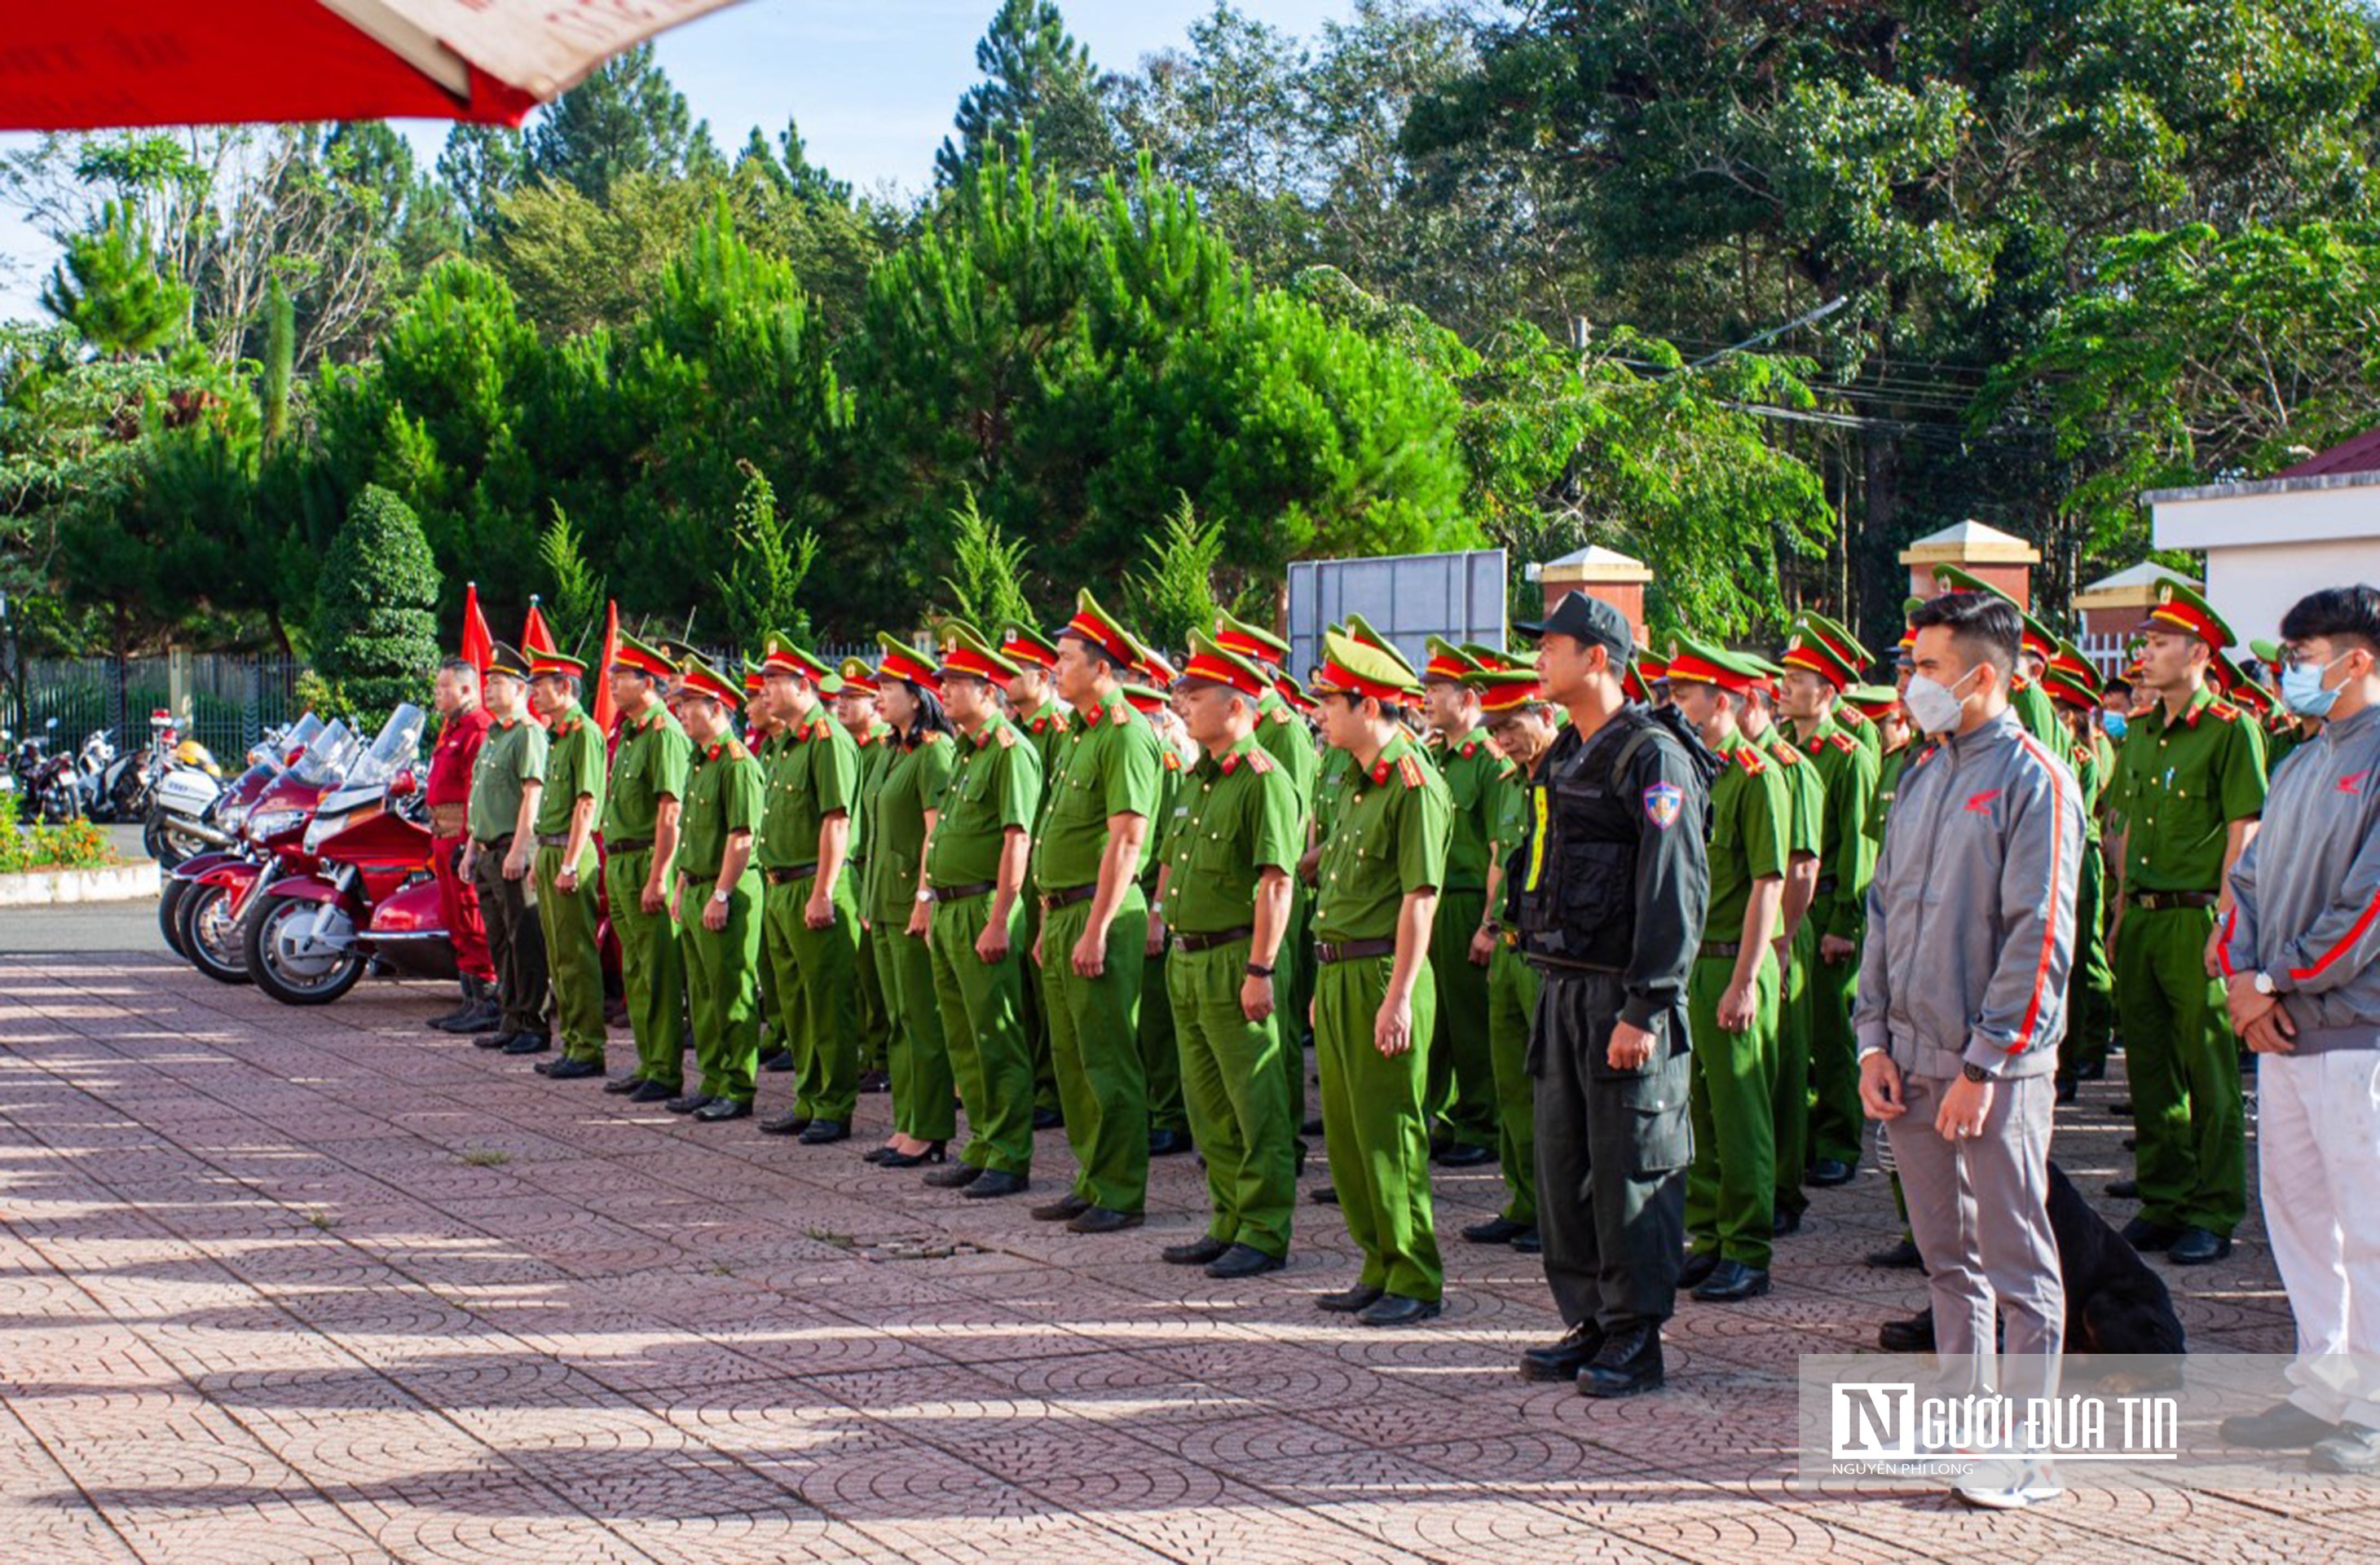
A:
(51, 791)
(273, 837)
(219, 827)
(98, 769)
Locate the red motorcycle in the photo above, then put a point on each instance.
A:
(269, 757)
(221, 888)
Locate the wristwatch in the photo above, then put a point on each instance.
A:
(1258, 970)
(924, 896)
(1974, 1073)
(721, 897)
(2264, 982)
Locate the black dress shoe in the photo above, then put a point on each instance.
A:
(992, 1183)
(488, 1018)
(1197, 1251)
(1495, 1231)
(2145, 1236)
(1900, 1256)
(878, 1154)
(1696, 1268)
(1461, 1156)
(2124, 1189)
(2197, 1246)
(688, 1103)
(1732, 1283)
(1168, 1143)
(1311, 1127)
(529, 1043)
(775, 1060)
(575, 1069)
(1048, 1119)
(1065, 1208)
(720, 1108)
(1362, 1296)
(498, 1038)
(545, 1067)
(1562, 1360)
(1829, 1172)
(820, 1133)
(956, 1176)
(1529, 1242)
(875, 1080)
(1243, 1260)
(653, 1092)
(1629, 1364)
(2282, 1426)
(620, 1086)
(1323, 1195)
(1912, 1335)
(2121, 1108)
(934, 1152)
(793, 1121)
(1104, 1219)
(1395, 1309)
(1787, 1220)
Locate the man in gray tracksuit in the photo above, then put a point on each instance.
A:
(1962, 987)
(2300, 958)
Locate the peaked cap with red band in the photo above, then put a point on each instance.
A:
(1245, 640)
(2181, 607)
(1021, 644)
(1098, 627)
(1211, 662)
(901, 662)
(638, 658)
(701, 679)
(781, 656)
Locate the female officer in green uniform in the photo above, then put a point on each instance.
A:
(921, 755)
(719, 898)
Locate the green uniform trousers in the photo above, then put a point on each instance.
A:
(1731, 1184)
(1373, 1126)
(1789, 1104)
(985, 1032)
(1461, 1091)
(1029, 1013)
(1838, 1123)
(1511, 1002)
(652, 977)
(1160, 1050)
(721, 968)
(1095, 1042)
(1293, 975)
(574, 962)
(915, 1055)
(2184, 1071)
(2092, 1029)
(875, 1017)
(1238, 1106)
(813, 975)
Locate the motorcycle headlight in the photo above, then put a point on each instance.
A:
(227, 818)
(273, 822)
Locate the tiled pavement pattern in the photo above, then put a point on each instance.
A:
(282, 1286)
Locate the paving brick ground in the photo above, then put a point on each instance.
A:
(282, 1286)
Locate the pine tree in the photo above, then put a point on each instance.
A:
(579, 587)
(280, 353)
(773, 559)
(109, 290)
(1176, 594)
(987, 585)
(1039, 83)
(376, 626)
(480, 165)
(626, 118)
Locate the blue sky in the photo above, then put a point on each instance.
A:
(873, 82)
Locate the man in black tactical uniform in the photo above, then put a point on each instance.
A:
(1609, 893)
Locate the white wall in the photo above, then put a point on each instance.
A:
(2264, 550)
(2253, 587)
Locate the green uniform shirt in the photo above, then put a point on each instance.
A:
(1470, 765)
(1846, 853)
(913, 783)
(2093, 764)
(573, 771)
(1046, 727)
(2037, 714)
(722, 797)
(1389, 839)
(1161, 825)
(813, 772)
(511, 757)
(1333, 772)
(648, 765)
(996, 788)
(2180, 786)
(1802, 786)
(1110, 766)
(1238, 817)
(875, 761)
(1286, 738)
(1889, 764)
(1751, 819)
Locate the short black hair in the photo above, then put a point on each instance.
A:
(459, 665)
(2115, 687)
(2335, 612)
(1985, 626)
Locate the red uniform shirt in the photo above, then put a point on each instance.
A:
(457, 751)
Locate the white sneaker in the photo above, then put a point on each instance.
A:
(2008, 1483)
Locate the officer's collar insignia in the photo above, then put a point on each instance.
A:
(1663, 803)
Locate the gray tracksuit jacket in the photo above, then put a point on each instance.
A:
(2306, 893)
(1970, 916)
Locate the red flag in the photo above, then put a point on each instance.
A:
(478, 645)
(601, 672)
(535, 638)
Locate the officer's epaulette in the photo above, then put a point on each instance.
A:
(1787, 755)
(732, 748)
(1173, 762)
(1282, 714)
(1842, 742)
(936, 736)
(2225, 711)
(1749, 759)
(1006, 734)
(1409, 768)
(1261, 761)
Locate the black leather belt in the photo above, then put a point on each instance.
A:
(627, 845)
(494, 844)
(1331, 954)
(1069, 897)
(553, 839)
(1208, 942)
(2162, 901)
(1722, 948)
(791, 873)
(959, 893)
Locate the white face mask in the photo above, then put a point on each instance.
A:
(1936, 706)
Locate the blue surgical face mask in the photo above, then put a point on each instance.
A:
(2114, 723)
(2301, 687)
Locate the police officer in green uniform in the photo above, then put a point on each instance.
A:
(718, 899)
(1095, 923)
(2073, 683)
(1461, 1092)
(2190, 787)
(974, 896)
(1225, 872)
(1523, 725)
(1731, 994)
(811, 915)
(1797, 942)
(1816, 670)
(501, 821)
(1033, 707)
(901, 817)
(1374, 1000)
(1613, 890)
(1161, 1056)
(640, 832)
(855, 707)
(567, 809)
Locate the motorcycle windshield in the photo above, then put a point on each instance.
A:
(398, 746)
(328, 754)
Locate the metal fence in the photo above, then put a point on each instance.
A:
(231, 699)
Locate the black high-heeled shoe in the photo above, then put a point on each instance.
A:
(878, 1154)
(937, 1153)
